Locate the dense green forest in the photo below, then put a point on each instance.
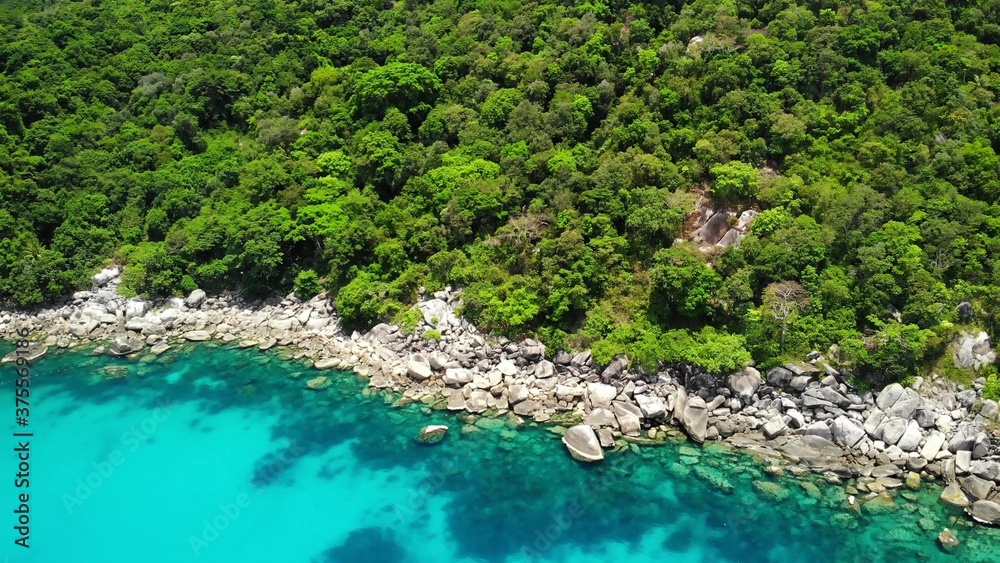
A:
(542, 155)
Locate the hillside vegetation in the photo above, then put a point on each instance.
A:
(541, 155)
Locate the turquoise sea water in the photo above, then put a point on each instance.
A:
(213, 454)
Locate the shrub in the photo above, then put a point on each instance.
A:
(363, 300)
(409, 319)
(891, 355)
(307, 284)
(992, 388)
(718, 352)
(648, 348)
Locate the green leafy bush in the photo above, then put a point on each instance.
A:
(362, 301)
(892, 354)
(409, 319)
(648, 348)
(992, 388)
(307, 284)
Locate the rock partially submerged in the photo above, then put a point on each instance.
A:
(124, 345)
(985, 512)
(432, 434)
(30, 354)
(952, 495)
(948, 540)
(197, 336)
(582, 443)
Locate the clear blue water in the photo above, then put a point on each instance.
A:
(213, 454)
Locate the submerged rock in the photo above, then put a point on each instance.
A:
(582, 443)
(714, 478)
(770, 490)
(114, 372)
(432, 434)
(880, 504)
(948, 540)
(318, 383)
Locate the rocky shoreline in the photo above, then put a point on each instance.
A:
(803, 417)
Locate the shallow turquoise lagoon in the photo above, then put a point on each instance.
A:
(219, 455)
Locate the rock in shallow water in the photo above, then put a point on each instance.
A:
(976, 488)
(953, 495)
(948, 540)
(432, 434)
(985, 512)
(197, 335)
(123, 345)
(582, 443)
(628, 416)
(327, 363)
(318, 383)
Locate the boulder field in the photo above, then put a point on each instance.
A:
(802, 415)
